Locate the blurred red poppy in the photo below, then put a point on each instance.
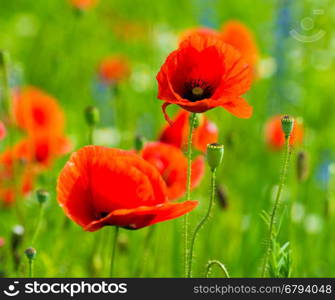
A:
(172, 165)
(102, 186)
(241, 38)
(205, 73)
(2, 131)
(84, 4)
(42, 149)
(274, 135)
(177, 133)
(113, 69)
(35, 111)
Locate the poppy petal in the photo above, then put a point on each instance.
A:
(238, 107)
(143, 216)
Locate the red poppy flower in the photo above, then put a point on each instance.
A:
(274, 135)
(205, 73)
(2, 131)
(113, 69)
(241, 38)
(172, 165)
(42, 149)
(177, 133)
(83, 4)
(102, 186)
(35, 111)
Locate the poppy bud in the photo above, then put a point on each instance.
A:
(214, 155)
(30, 253)
(287, 123)
(139, 142)
(42, 196)
(302, 166)
(92, 115)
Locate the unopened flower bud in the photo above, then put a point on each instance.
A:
(30, 253)
(92, 115)
(214, 155)
(302, 166)
(3, 58)
(287, 124)
(42, 196)
(139, 142)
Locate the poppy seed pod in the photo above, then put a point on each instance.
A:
(42, 196)
(214, 155)
(30, 253)
(92, 115)
(302, 166)
(287, 123)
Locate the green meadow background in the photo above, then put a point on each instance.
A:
(57, 49)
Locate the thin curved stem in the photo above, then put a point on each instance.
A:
(116, 233)
(201, 223)
(275, 207)
(188, 189)
(220, 265)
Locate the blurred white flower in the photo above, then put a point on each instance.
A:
(297, 212)
(313, 223)
(267, 67)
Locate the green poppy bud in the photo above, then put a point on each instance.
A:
(30, 253)
(92, 115)
(214, 155)
(287, 124)
(42, 196)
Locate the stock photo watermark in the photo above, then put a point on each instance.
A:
(307, 32)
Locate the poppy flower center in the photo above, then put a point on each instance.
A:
(196, 90)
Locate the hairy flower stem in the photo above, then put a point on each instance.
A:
(38, 225)
(220, 265)
(275, 206)
(116, 233)
(202, 222)
(188, 189)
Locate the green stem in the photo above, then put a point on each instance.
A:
(38, 225)
(31, 263)
(188, 189)
(275, 207)
(201, 223)
(220, 265)
(116, 233)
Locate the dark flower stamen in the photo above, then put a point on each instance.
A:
(196, 90)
